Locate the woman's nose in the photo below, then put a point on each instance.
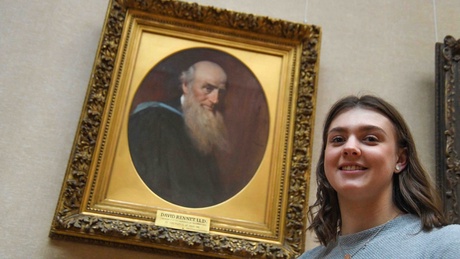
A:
(351, 148)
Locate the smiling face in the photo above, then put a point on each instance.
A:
(361, 154)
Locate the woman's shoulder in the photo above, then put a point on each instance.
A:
(440, 235)
(446, 241)
(451, 231)
(313, 253)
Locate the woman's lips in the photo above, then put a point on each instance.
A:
(352, 168)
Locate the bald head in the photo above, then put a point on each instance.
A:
(203, 67)
(211, 71)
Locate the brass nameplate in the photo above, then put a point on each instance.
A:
(183, 221)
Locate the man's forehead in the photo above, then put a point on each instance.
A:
(205, 67)
(211, 78)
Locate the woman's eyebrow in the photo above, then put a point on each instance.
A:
(337, 130)
(362, 128)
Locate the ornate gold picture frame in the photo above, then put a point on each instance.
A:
(447, 126)
(272, 71)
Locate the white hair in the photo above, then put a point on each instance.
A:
(188, 76)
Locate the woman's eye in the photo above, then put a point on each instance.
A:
(371, 139)
(337, 139)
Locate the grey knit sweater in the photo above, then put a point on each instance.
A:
(400, 238)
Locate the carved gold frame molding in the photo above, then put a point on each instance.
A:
(448, 125)
(89, 208)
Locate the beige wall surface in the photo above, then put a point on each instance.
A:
(47, 50)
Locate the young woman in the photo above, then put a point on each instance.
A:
(374, 199)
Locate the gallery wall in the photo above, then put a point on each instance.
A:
(47, 50)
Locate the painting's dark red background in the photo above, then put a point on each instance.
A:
(244, 108)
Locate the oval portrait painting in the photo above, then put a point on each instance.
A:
(198, 127)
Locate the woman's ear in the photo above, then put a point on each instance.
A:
(401, 163)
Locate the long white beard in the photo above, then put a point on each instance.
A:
(206, 128)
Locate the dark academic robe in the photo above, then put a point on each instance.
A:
(166, 159)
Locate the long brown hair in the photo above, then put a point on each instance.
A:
(412, 190)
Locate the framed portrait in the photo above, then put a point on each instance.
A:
(447, 126)
(195, 134)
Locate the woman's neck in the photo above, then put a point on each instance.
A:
(357, 217)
